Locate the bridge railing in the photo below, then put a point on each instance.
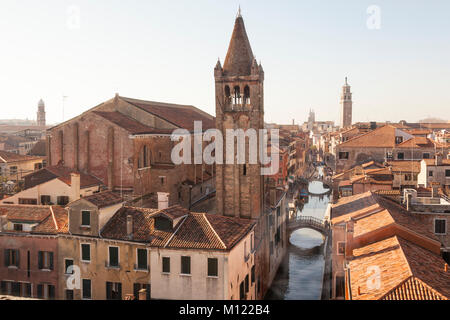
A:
(309, 221)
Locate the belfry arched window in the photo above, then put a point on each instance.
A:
(246, 95)
(237, 95)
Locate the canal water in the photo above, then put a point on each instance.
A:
(300, 275)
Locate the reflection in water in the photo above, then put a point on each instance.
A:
(301, 273)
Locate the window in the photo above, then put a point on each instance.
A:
(398, 140)
(67, 264)
(185, 265)
(86, 288)
(85, 218)
(45, 291)
(142, 259)
(40, 291)
(400, 156)
(340, 286)
(247, 283)
(343, 155)
(408, 177)
(244, 170)
(12, 258)
(62, 200)
(12, 170)
(113, 291)
(113, 257)
(253, 274)
(45, 200)
(18, 227)
(389, 155)
(85, 252)
(430, 173)
(166, 264)
(440, 226)
(426, 156)
(139, 286)
(340, 248)
(242, 291)
(212, 267)
(69, 294)
(45, 260)
(27, 201)
(447, 173)
(51, 292)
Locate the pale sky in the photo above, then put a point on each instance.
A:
(166, 51)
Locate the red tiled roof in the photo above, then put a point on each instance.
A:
(55, 223)
(193, 231)
(432, 162)
(8, 157)
(417, 142)
(60, 172)
(407, 271)
(104, 199)
(383, 137)
(182, 116)
(25, 213)
(405, 166)
(129, 124)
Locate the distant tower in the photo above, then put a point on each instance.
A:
(311, 119)
(346, 106)
(41, 114)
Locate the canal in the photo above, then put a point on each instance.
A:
(300, 275)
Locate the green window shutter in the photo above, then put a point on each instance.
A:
(7, 258)
(51, 260)
(17, 258)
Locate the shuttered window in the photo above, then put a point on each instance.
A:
(45, 260)
(113, 256)
(166, 264)
(440, 226)
(113, 291)
(86, 252)
(12, 258)
(185, 265)
(85, 218)
(142, 259)
(212, 267)
(87, 294)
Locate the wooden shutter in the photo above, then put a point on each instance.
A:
(7, 257)
(108, 290)
(51, 260)
(136, 288)
(17, 258)
(120, 290)
(40, 291)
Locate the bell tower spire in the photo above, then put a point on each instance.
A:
(346, 105)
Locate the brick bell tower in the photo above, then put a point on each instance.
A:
(346, 105)
(239, 105)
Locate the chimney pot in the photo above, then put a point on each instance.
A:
(446, 267)
(130, 226)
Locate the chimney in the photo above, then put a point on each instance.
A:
(163, 200)
(75, 186)
(408, 201)
(349, 227)
(130, 226)
(446, 267)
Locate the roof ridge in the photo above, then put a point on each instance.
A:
(213, 230)
(175, 232)
(54, 218)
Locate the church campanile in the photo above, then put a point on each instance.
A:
(239, 105)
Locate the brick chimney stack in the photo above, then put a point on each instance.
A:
(75, 186)
(130, 226)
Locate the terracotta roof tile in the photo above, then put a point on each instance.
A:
(406, 270)
(192, 230)
(182, 116)
(104, 199)
(55, 223)
(26, 213)
(8, 157)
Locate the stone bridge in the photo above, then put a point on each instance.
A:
(309, 222)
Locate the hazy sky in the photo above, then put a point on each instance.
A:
(166, 51)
